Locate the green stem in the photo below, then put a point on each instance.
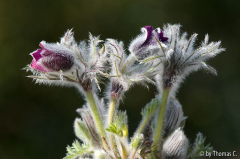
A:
(133, 154)
(124, 151)
(144, 123)
(96, 115)
(111, 110)
(161, 114)
(114, 146)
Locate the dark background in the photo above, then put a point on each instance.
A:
(36, 121)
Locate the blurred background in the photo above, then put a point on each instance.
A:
(36, 121)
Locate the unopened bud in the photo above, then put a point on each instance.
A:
(175, 146)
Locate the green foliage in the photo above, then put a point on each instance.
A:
(121, 118)
(76, 149)
(119, 126)
(81, 130)
(137, 141)
(198, 146)
(113, 128)
(149, 109)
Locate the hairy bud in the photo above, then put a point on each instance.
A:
(173, 117)
(89, 122)
(175, 146)
(52, 57)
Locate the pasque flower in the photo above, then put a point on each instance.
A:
(126, 69)
(139, 65)
(125, 72)
(69, 63)
(181, 58)
(52, 57)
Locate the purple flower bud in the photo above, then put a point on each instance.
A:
(52, 57)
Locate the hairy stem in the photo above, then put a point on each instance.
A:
(96, 115)
(111, 110)
(144, 122)
(133, 154)
(124, 151)
(161, 114)
(114, 146)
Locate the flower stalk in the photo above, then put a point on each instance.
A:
(160, 119)
(114, 146)
(112, 110)
(147, 113)
(96, 116)
(143, 124)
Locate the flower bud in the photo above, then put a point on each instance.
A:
(52, 57)
(116, 90)
(81, 130)
(175, 146)
(90, 125)
(173, 117)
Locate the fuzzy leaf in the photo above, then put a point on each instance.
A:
(137, 141)
(76, 150)
(198, 146)
(81, 130)
(149, 109)
(113, 128)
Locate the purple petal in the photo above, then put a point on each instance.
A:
(160, 34)
(52, 57)
(149, 31)
(37, 66)
(162, 38)
(37, 55)
(149, 35)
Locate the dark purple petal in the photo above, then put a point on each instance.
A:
(162, 38)
(149, 31)
(149, 35)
